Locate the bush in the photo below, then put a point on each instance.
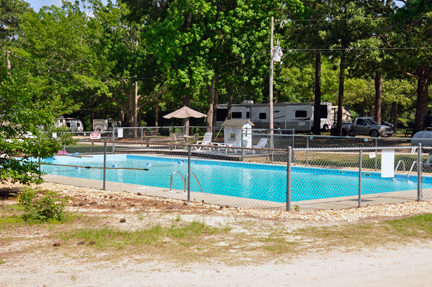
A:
(42, 208)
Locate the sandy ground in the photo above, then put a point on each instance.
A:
(402, 266)
(407, 266)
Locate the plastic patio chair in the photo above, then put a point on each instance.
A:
(206, 141)
(195, 137)
(261, 144)
(175, 140)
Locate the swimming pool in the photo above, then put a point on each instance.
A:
(246, 180)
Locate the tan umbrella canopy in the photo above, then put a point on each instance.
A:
(183, 113)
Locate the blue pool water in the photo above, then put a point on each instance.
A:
(246, 180)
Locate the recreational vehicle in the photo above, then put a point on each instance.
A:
(346, 116)
(74, 124)
(101, 125)
(285, 115)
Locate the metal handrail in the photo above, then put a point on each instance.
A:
(171, 180)
(412, 166)
(398, 165)
(196, 180)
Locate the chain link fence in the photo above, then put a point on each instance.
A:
(221, 173)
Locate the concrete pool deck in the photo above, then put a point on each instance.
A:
(232, 201)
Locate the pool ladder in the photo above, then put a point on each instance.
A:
(403, 164)
(184, 179)
(401, 161)
(412, 166)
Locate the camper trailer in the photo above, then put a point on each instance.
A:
(285, 115)
(346, 116)
(74, 124)
(101, 125)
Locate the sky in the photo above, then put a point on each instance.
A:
(37, 4)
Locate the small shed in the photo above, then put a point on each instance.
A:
(238, 132)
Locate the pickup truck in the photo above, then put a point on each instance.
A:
(366, 126)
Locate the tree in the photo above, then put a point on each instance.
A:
(10, 17)
(98, 60)
(411, 28)
(24, 109)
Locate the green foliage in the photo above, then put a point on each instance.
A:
(10, 17)
(42, 208)
(27, 117)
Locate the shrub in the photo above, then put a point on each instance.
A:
(42, 207)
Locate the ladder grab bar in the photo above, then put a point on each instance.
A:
(196, 180)
(402, 165)
(412, 166)
(171, 180)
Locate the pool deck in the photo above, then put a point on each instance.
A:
(328, 203)
(219, 153)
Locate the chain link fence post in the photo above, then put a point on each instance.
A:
(113, 145)
(242, 145)
(288, 195)
(104, 170)
(376, 153)
(307, 151)
(39, 167)
(419, 172)
(360, 176)
(189, 172)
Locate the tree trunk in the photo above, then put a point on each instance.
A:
(131, 108)
(209, 120)
(215, 102)
(394, 116)
(230, 97)
(317, 88)
(378, 97)
(135, 106)
(341, 95)
(422, 98)
(186, 121)
(122, 117)
(156, 115)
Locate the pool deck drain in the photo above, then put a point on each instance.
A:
(232, 201)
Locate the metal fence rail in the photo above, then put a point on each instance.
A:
(281, 179)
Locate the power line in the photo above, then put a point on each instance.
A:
(330, 20)
(358, 49)
(78, 73)
(113, 77)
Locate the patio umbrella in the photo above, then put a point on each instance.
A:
(184, 113)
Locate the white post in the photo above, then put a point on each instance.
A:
(271, 84)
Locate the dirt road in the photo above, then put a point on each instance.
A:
(407, 266)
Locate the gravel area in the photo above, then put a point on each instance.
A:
(96, 199)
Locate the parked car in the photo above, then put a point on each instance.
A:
(366, 126)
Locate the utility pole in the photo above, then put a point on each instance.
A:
(271, 84)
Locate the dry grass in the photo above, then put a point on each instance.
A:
(161, 230)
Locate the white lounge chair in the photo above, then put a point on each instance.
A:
(261, 144)
(206, 141)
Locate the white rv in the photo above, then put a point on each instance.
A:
(346, 116)
(74, 124)
(101, 125)
(285, 115)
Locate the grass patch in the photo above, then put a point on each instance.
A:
(416, 226)
(157, 235)
(277, 243)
